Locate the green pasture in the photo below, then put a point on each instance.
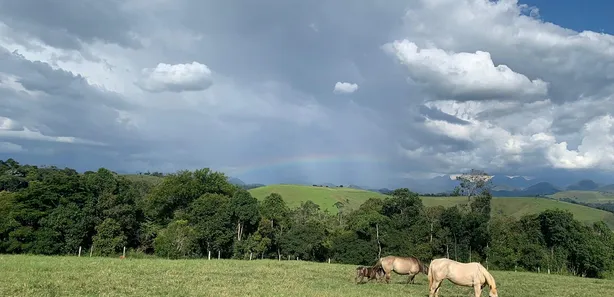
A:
(24, 276)
(586, 196)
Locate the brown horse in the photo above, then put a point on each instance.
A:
(368, 272)
(463, 274)
(401, 265)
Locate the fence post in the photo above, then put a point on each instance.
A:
(79, 251)
(124, 254)
(218, 254)
(209, 256)
(91, 250)
(250, 256)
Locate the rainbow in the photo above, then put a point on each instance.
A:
(311, 159)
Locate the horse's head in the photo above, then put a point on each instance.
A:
(424, 268)
(493, 292)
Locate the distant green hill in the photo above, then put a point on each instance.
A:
(585, 196)
(322, 196)
(142, 177)
(512, 206)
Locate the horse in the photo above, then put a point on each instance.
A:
(368, 272)
(463, 274)
(401, 265)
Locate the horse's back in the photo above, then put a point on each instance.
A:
(456, 272)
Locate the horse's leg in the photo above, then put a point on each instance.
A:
(434, 288)
(478, 290)
(411, 278)
(438, 287)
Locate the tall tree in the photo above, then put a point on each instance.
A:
(473, 183)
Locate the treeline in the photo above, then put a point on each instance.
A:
(194, 214)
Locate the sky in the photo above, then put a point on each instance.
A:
(370, 92)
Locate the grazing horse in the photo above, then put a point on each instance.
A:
(401, 265)
(463, 274)
(368, 272)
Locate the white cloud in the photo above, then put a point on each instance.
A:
(345, 88)
(7, 124)
(464, 76)
(8, 147)
(176, 78)
(595, 151)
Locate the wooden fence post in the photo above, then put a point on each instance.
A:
(209, 256)
(91, 250)
(79, 251)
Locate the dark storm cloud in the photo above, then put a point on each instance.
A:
(59, 104)
(275, 65)
(66, 24)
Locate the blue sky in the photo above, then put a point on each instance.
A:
(593, 15)
(375, 93)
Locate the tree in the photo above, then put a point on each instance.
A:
(274, 209)
(109, 238)
(473, 183)
(211, 217)
(178, 240)
(244, 211)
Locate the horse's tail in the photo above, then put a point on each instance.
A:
(489, 279)
(429, 275)
(377, 264)
(421, 266)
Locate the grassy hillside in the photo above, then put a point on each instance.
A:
(519, 206)
(24, 276)
(585, 196)
(512, 206)
(325, 197)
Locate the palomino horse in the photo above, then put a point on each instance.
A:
(463, 274)
(401, 265)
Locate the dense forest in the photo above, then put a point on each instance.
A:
(199, 214)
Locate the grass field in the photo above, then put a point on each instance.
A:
(22, 276)
(322, 196)
(585, 196)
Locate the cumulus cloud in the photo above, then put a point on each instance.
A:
(176, 78)
(524, 97)
(464, 76)
(595, 151)
(345, 88)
